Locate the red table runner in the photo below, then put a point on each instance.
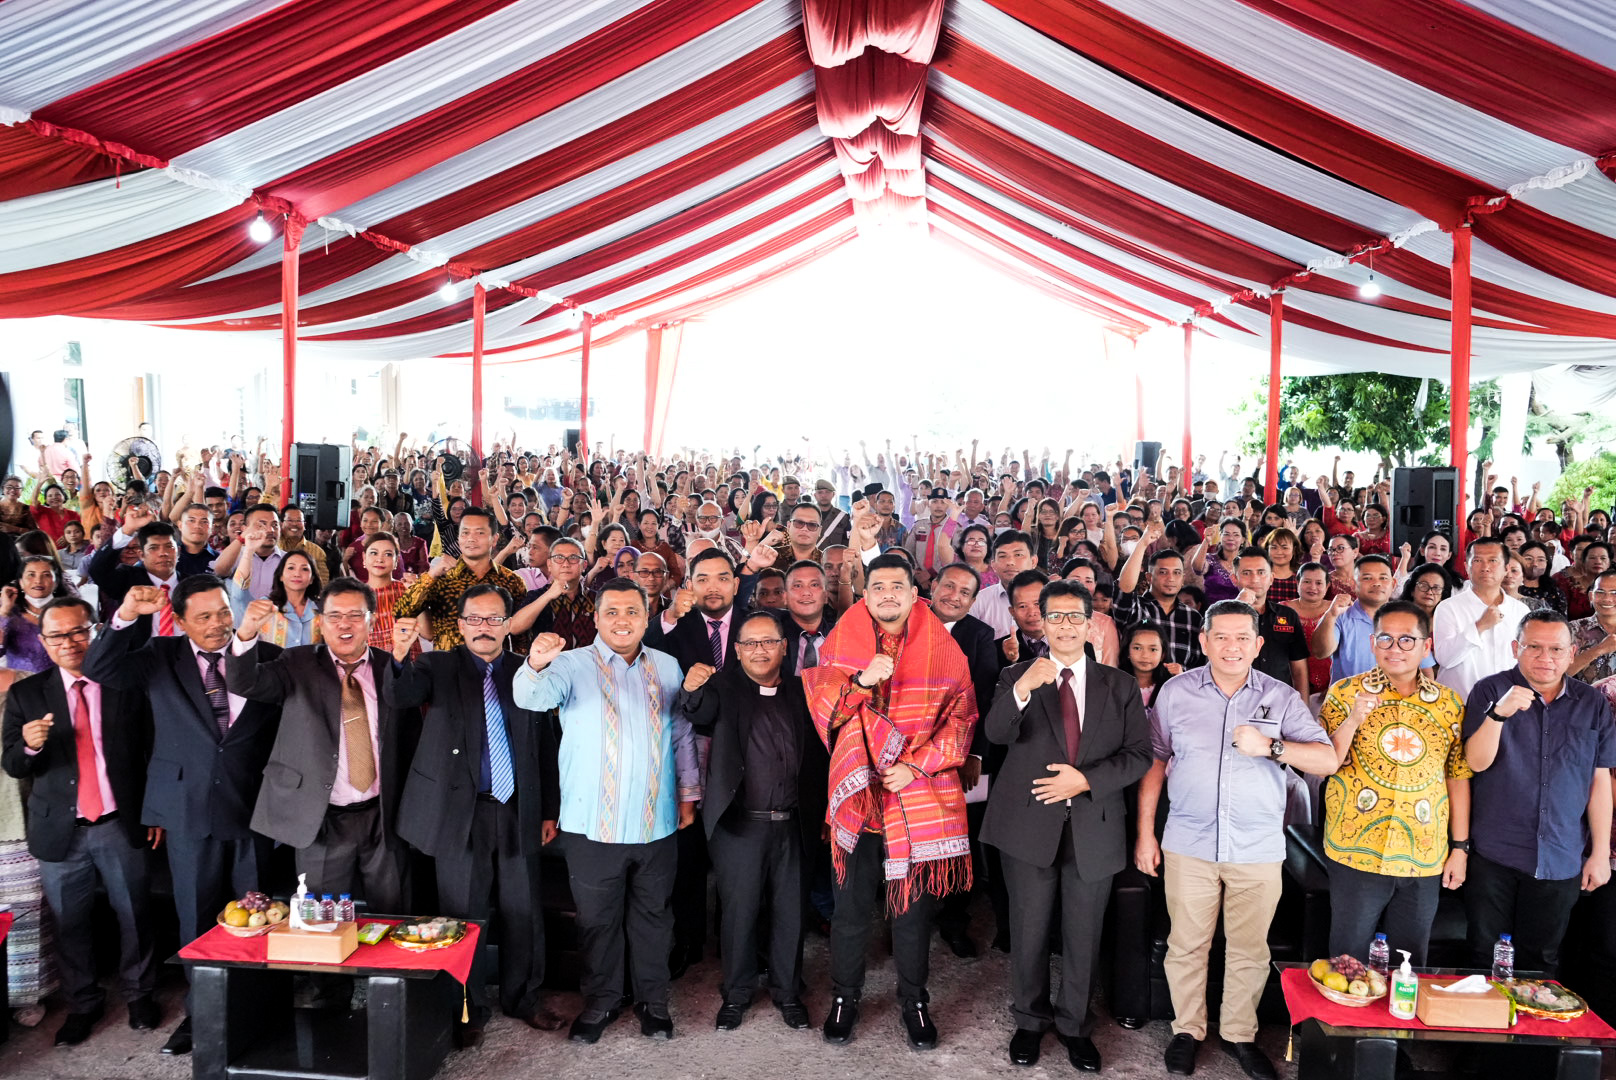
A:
(455, 959)
(5, 924)
(1305, 1002)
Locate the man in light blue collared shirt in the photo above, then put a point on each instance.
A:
(629, 779)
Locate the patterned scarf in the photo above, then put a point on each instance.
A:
(927, 724)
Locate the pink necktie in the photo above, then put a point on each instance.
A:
(165, 618)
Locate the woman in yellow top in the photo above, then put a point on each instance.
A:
(1401, 791)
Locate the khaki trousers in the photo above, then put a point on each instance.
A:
(1246, 894)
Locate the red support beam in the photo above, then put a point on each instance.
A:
(1184, 464)
(653, 370)
(1276, 339)
(1138, 395)
(583, 405)
(479, 309)
(1459, 374)
(291, 238)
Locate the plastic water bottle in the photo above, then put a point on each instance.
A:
(345, 911)
(1504, 959)
(309, 911)
(1380, 955)
(328, 908)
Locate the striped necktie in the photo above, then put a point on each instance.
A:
(218, 697)
(501, 774)
(715, 638)
(165, 617)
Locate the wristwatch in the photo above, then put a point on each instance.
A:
(857, 675)
(1276, 748)
(1491, 715)
(1460, 845)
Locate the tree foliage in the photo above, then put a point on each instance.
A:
(1598, 472)
(1364, 412)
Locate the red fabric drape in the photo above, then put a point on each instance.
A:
(30, 164)
(839, 30)
(876, 88)
(1276, 340)
(1186, 462)
(1459, 375)
(856, 152)
(326, 186)
(479, 307)
(1470, 56)
(1434, 278)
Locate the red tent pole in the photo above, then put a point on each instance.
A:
(1276, 337)
(583, 407)
(291, 237)
(479, 308)
(653, 370)
(1138, 395)
(1459, 385)
(1184, 465)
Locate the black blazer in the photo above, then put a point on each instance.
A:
(113, 579)
(53, 803)
(982, 656)
(302, 768)
(197, 785)
(688, 642)
(794, 638)
(723, 708)
(1115, 752)
(441, 783)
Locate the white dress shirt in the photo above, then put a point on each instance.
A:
(1080, 686)
(1467, 655)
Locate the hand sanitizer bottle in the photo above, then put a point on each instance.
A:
(1405, 990)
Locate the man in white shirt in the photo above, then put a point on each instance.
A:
(1474, 627)
(1012, 553)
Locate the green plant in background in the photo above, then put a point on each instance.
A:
(1598, 472)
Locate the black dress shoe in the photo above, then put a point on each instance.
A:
(961, 943)
(655, 1023)
(180, 1041)
(730, 1016)
(1132, 1023)
(1082, 1053)
(1025, 1046)
(918, 1027)
(1180, 1056)
(1252, 1060)
(588, 1026)
(542, 1019)
(681, 958)
(77, 1027)
(794, 1013)
(839, 1023)
(144, 1015)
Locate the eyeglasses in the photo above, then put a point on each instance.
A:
(760, 643)
(706, 517)
(1555, 651)
(1428, 587)
(346, 616)
(805, 524)
(1405, 642)
(1599, 594)
(1068, 618)
(78, 633)
(484, 620)
(650, 573)
(567, 560)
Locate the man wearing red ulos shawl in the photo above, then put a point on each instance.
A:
(893, 700)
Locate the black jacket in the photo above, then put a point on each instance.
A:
(794, 638)
(1114, 752)
(197, 785)
(723, 708)
(113, 579)
(975, 639)
(302, 768)
(53, 802)
(688, 642)
(442, 781)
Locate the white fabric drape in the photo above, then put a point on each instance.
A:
(1584, 27)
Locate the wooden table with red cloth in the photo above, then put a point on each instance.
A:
(244, 1022)
(1333, 1040)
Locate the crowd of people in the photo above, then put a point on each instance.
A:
(830, 691)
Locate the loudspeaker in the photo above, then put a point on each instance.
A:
(319, 480)
(570, 442)
(1145, 455)
(1424, 500)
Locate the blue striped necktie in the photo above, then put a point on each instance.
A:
(715, 639)
(502, 779)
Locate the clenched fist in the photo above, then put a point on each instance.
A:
(1518, 698)
(141, 600)
(441, 565)
(405, 633)
(876, 672)
(253, 619)
(1040, 672)
(697, 676)
(546, 647)
(34, 732)
(135, 517)
(683, 601)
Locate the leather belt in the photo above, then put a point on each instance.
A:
(769, 815)
(354, 808)
(86, 823)
(484, 796)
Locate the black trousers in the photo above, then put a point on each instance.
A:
(1402, 907)
(1034, 894)
(1594, 931)
(622, 893)
(860, 899)
(690, 890)
(208, 874)
(100, 852)
(955, 915)
(494, 881)
(353, 854)
(1501, 900)
(758, 863)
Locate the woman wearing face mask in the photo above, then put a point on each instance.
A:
(1312, 601)
(19, 614)
(1218, 565)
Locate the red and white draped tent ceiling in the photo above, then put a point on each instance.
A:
(597, 167)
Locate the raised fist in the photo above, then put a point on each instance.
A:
(697, 676)
(253, 619)
(405, 633)
(546, 647)
(683, 601)
(1340, 605)
(876, 672)
(141, 600)
(441, 565)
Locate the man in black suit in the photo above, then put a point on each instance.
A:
(763, 808)
(953, 592)
(1077, 736)
(209, 747)
(482, 796)
(808, 616)
(1027, 641)
(332, 784)
(84, 747)
(158, 566)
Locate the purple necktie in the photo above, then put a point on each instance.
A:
(1069, 716)
(716, 639)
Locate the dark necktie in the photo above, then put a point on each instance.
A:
(810, 651)
(1040, 648)
(1070, 716)
(218, 697)
(715, 638)
(356, 730)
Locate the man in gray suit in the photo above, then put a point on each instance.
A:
(1077, 736)
(331, 786)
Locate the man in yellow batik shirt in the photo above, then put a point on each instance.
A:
(1397, 811)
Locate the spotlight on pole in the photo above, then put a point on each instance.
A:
(259, 231)
(448, 293)
(1370, 288)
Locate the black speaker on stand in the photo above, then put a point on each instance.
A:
(1145, 455)
(1424, 500)
(319, 480)
(570, 442)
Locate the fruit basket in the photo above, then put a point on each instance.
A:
(1354, 970)
(1543, 1000)
(419, 935)
(245, 931)
(236, 917)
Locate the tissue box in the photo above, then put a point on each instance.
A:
(1442, 1008)
(286, 944)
